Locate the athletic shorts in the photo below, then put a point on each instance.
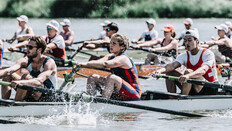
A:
(206, 90)
(128, 92)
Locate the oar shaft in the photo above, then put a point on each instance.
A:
(86, 97)
(197, 82)
(121, 103)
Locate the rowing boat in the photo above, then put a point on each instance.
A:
(199, 103)
(143, 70)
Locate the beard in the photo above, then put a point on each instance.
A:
(35, 54)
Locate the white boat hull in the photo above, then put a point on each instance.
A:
(177, 105)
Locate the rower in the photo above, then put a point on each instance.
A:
(112, 28)
(188, 23)
(200, 64)
(147, 35)
(55, 42)
(22, 34)
(43, 72)
(104, 26)
(224, 44)
(229, 25)
(123, 83)
(168, 44)
(67, 33)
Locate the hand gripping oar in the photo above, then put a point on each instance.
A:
(69, 77)
(79, 42)
(196, 82)
(87, 98)
(155, 52)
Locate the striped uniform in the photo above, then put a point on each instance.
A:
(210, 75)
(130, 89)
(51, 82)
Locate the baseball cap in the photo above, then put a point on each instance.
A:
(113, 26)
(168, 28)
(105, 23)
(22, 18)
(228, 24)
(188, 21)
(151, 21)
(192, 33)
(65, 22)
(222, 27)
(54, 24)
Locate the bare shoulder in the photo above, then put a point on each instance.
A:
(22, 62)
(50, 64)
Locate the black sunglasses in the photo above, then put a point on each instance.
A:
(30, 47)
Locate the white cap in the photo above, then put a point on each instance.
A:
(222, 27)
(151, 21)
(228, 24)
(65, 22)
(188, 21)
(105, 23)
(54, 24)
(22, 18)
(193, 33)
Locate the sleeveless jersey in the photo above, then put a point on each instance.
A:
(226, 51)
(51, 82)
(128, 75)
(210, 75)
(172, 51)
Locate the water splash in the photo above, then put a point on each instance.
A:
(222, 114)
(72, 115)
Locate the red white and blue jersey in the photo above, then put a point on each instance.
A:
(131, 89)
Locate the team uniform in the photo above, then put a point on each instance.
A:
(65, 35)
(58, 52)
(50, 83)
(148, 35)
(24, 32)
(204, 56)
(173, 52)
(226, 51)
(131, 89)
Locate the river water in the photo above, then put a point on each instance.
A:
(90, 28)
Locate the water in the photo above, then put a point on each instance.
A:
(90, 28)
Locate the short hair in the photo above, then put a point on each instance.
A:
(40, 42)
(113, 26)
(122, 40)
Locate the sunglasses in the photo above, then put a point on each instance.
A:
(30, 47)
(20, 21)
(149, 23)
(107, 30)
(49, 28)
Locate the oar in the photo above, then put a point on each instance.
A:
(69, 77)
(196, 82)
(88, 98)
(155, 52)
(78, 42)
(2, 121)
(79, 49)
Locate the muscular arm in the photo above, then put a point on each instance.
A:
(49, 69)
(170, 46)
(95, 63)
(20, 63)
(169, 67)
(199, 72)
(150, 43)
(70, 39)
(50, 46)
